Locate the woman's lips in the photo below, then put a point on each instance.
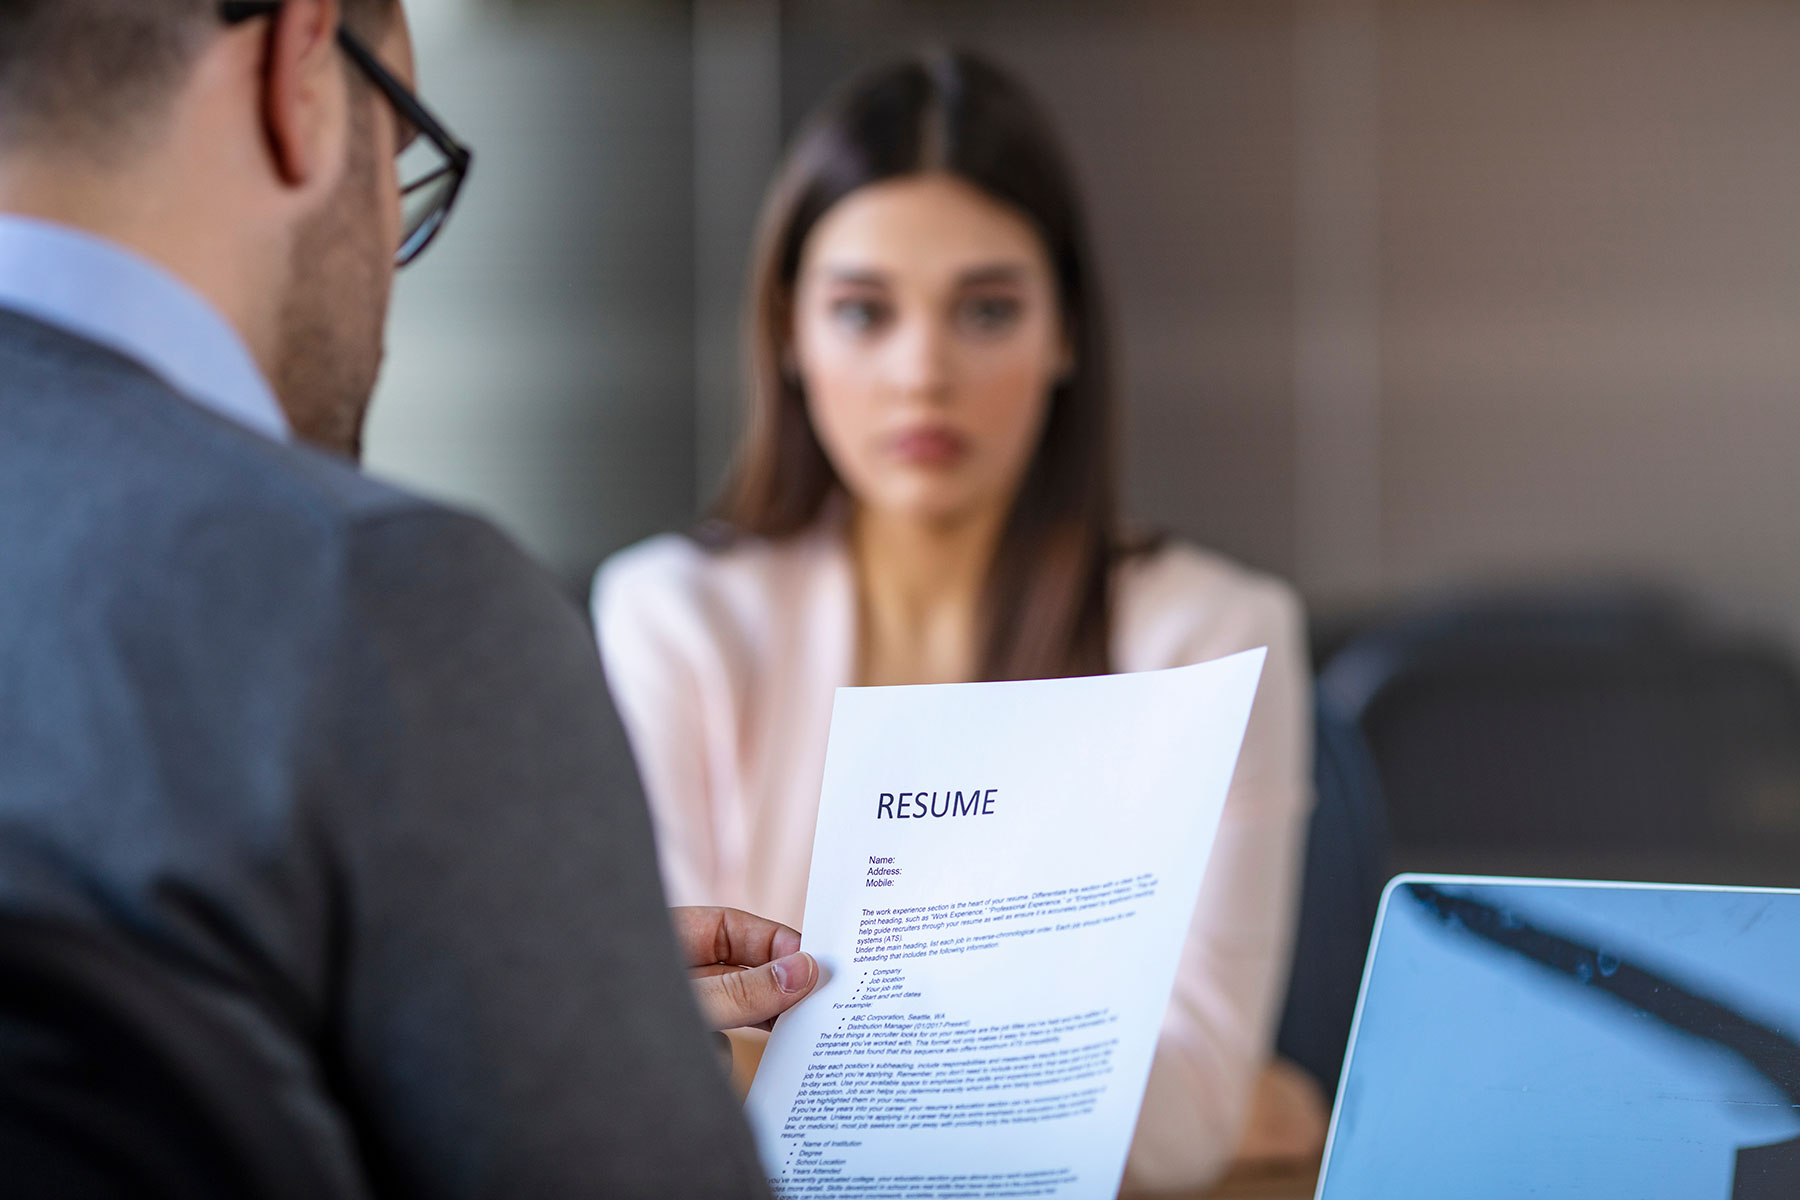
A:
(928, 447)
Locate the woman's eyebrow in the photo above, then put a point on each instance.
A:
(865, 276)
(1002, 272)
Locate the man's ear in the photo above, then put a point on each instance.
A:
(305, 100)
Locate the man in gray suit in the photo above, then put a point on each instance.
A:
(323, 867)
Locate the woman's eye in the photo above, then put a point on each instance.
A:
(989, 314)
(858, 316)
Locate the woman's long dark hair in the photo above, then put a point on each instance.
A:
(1045, 610)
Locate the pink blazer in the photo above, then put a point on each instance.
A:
(724, 664)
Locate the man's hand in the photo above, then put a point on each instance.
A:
(746, 971)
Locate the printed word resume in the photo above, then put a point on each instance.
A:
(1002, 878)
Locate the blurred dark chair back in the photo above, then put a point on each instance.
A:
(115, 1082)
(1346, 867)
(1596, 735)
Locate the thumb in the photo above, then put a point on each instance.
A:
(732, 999)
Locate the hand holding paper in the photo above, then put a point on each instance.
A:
(746, 970)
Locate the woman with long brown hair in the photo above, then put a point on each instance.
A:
(925, 493)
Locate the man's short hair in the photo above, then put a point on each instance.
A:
(96, 74)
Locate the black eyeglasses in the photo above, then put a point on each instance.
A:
(433, 164)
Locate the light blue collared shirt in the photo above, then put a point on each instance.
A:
(102, 292)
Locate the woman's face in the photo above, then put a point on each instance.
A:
(928, 336)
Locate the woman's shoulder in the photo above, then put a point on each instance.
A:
(1175, 573)
(1178, 602)
(667, 567)
(676, 584)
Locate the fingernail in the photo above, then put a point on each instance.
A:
(792, 972)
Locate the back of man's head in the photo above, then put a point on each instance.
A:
(93, 76)
(250, 158)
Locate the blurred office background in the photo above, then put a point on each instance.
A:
(1478, 319)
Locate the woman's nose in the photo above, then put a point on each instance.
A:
(919, 360)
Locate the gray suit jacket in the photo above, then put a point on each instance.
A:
(323, 865)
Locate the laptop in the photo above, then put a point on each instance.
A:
(1550, 1038)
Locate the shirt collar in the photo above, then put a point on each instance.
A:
(104, 293)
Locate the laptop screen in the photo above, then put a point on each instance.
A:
(1550, 1039)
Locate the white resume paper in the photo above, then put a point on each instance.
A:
(1002, 879)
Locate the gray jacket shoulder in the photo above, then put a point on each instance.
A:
(136, 481)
